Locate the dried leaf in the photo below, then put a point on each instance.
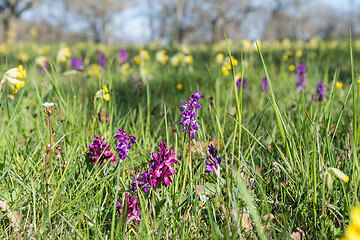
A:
(298, 234)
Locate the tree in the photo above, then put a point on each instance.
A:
(96, 14)
(13, 9)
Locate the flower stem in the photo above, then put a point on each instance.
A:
(190, 164)
(52, 187)
(46, 182)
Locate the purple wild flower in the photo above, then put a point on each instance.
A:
(214, 164)
(301, 77)
(134, 79)
(264, 84)
(250, 184)
(132, 208)
(242, 81)
(160, 166)
(123, 56)
(42, 69)
(142, 182)
(124, 144)
(102, 60)
(188, 114)
(77, 64)
(100, 151)
(320, 93)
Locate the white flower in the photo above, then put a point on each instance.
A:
(47, 105)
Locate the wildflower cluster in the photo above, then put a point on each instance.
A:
(14, 78)
(353, 231)
(162, 57)
(301, 77)
(100, 151)
(226, 66)
(214, 163)
(124, 144)
(132, 208)
(241, 81)
(320, 93)
(188, 115)
(122, 56)
(264, 84)
(77, 64)
(160, 166)
(103, 93)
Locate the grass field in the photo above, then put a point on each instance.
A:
(289, 159)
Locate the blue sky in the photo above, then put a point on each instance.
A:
(131, 25)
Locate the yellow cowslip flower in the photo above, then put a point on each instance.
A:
(176, 59)
(224, 71)
(125, 69)
(298, 53)
(188, 59)
(94, 70)
(3, 49)
(63, 53)
(23, 57)
(220, 58)
(162, 57)
(238, 76)
(41, 61)
(14, 78)
(179, 86)
(353, 231)
(359, 80)
(338, 173)
(339, 85)
(103, 93)
(228, 66)
(285, 58)
(144, 55)
(291, 67)
(137, 60)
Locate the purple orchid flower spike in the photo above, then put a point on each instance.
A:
(132, 208)
(124, 144)
(301, 77)
(188, 115)
(100, 151)
(160, 166)
(214, 163)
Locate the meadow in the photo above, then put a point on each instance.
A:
(96, 143)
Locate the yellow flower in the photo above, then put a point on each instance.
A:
(103, 93)
(285, 58)
(176, 59)
(125, 69)
(220, 58)
(353, 231)
(291, 67)
(40, 60)
(14, 78)
(238, 76)
(355, 217)
(338, 173)
(188, 59)
(137, 59)
(298, 53)
(162, 57)
(179, 86)
(144, 55)
(3, 49)
(339, 84)
(224, 71)
(359, 80)
(23, 57)
(94, 70)
(63, 53)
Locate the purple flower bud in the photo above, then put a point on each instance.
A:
(189, 115)
(124, 144)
